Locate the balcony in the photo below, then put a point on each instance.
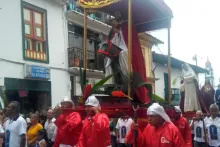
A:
(95, 21)
(95, 64)
(61, 2)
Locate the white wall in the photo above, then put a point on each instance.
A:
(11, 44)
(159, 73)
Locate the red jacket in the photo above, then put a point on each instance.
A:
(184, 128)
(141, 125)
(69, 127)
(165, 136)
(96, 132)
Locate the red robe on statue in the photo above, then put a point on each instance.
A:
(69, 127)
(96, 132)
(207, 94)
(165, 136)
(184, 128)
(138, 65)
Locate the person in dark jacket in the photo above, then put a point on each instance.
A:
(217, 96)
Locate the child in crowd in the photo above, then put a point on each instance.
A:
(41, 138)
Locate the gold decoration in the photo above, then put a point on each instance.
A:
(80, 100)
(92, 4)
(207, 89)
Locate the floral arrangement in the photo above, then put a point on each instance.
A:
(119, 93)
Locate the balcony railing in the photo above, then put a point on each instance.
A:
(94, 61)
(99, 16)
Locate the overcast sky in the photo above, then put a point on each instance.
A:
(195, 30)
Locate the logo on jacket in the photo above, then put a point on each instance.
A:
(182, 126)
(164, 140)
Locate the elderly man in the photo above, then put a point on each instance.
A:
(69, 124)
(50, 127)
(160, 132)
(96, 131)
(213, 126)
(183, 126)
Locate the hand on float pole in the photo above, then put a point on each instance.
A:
(205, 132)
(135, 120)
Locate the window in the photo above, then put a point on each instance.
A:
(35, 34)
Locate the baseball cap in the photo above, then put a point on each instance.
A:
(92, 101)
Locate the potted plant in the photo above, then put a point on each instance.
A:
(76, 61)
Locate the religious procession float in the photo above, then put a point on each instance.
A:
(125, 89)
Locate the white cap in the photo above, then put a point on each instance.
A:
(67, 99)
(92, 101)
(28, 120)
(156, 109)
(177, 109)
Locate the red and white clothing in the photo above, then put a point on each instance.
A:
(184, 128)
(166, 135)
(69, 127)
(96, 132)
(123, 126)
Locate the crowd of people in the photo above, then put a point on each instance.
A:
(64, 127)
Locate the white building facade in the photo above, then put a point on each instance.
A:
(41, 51)
(161, 75)
(33, 53)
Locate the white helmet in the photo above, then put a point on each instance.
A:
(67, 99)
(177, 109)
(92, 101)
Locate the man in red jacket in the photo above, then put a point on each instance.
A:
(69, 124)
(96, 131)
(183, 126)
(160, 132)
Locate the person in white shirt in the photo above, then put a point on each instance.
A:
(198, 127)
(1, 139)
(213, 126)
(122, 128)
(15, 128)
(50, 127)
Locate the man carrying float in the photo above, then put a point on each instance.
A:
(147, 16)
(159, 132)
(96, 131)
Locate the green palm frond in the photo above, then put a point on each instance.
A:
(174, 81)
(158, 99)
(113, 86)
(101, 83)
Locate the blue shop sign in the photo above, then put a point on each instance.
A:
(39, 72)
